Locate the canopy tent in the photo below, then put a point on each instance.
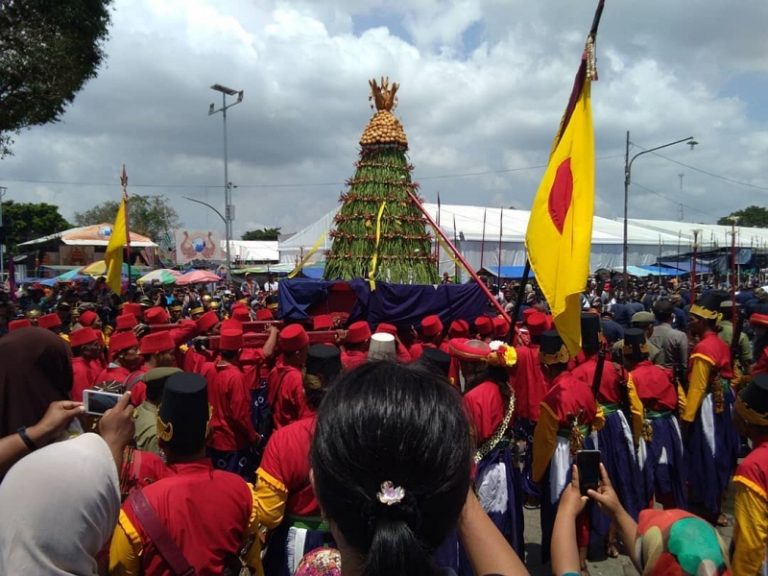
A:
(252, 250)
(645, 244)
(95, 235)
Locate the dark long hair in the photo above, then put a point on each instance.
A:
(384, 422)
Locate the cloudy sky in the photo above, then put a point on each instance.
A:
(483, 86)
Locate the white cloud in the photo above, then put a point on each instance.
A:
(483, 86)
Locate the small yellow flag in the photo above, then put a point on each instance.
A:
(114, 255)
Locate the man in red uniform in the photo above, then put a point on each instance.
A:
(759, 323)
(198, 354)
(568, 414)
(156, 315)
(207, 515)
(500, 328)
(402, 353)
(750, 532)
(711, 439)
(231, 430)
(484, 328)
(660, 453)
(431, 337)
(285, 388)
(530, 386)
(126, 364)
(85, 348)
(354, 345)
(490, 404)
(283, 475)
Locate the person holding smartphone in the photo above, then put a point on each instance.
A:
(661, 542)
(568, 414)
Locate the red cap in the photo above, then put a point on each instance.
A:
(51, 320)
(292, 338)
(187, 323)
(156, 315)
(387, 328)
(758, 319)
(431, 325)
(264, 314)
(500, 327)
(125, 322)
(17, 324)
(241, 314)
(469, 350)
(83, 336)
(207, 321)
(231, 324)
(122, 341)
(133, 308)
(484, 325)
(459, 329)
(528, 311)
(358, 332)
(537, 323)
(322, 322)
(87, 318)
(231, 339)
(157, 342)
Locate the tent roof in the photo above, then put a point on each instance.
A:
(94, 235)
(469, 225)
(253, 250)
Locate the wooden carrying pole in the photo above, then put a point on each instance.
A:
(460, 258)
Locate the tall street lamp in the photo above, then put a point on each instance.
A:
(229, 210)
(627, 179)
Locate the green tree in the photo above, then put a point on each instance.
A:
(262, 234)
(48, 50)
(27, 221)
(151, 216)
(749, 217)
(380, 231)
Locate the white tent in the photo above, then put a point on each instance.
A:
(252, 250)
(645, 243)
(710, 235)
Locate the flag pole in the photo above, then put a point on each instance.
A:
(458, 255)
(482, 242)
(501, 230)
(124, 185)
(437, 243)
(455, 241)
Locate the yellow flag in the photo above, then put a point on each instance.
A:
(559, 234)
(114, 255)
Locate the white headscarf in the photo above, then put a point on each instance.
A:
(59, 506)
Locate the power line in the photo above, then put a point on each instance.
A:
(673, 201)
(290, 185)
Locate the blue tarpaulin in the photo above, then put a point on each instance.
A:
(515, 272)
(663, 271)
(398, 304)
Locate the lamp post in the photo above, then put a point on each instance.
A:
(229, 212)
(3, 190)
(628, 178)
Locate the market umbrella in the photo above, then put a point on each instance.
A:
(99, 268)
(162, 275)
(74, 275)
(197, 277)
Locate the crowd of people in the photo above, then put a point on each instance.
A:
(242, 444)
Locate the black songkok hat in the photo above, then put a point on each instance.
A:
(435, 359)
(552, 350)
(752, 402)
(590, 332)
(324, 361)
(183, 416)
(635, 346)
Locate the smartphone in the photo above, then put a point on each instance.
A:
(97, 402)
(588, 463)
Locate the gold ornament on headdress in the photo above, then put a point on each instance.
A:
(164, 431)
(576, 437)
